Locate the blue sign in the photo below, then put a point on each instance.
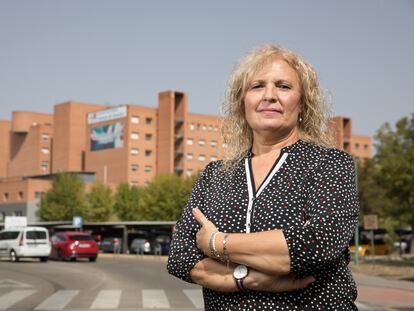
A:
(77, 221)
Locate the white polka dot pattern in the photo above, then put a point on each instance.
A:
(312, 198)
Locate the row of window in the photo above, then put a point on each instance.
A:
(357, 146)
(136, 120)
(202, 142)
(135, 136)
(135, 152)
(6, 196)
(202, 127)
(135, 168)
(20, 195)
(201, 157)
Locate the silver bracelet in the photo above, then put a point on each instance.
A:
(212, 245)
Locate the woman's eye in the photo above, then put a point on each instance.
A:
(256, 86)
(284, 86)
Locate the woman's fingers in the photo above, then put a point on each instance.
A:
(199, 216)
(291, 283)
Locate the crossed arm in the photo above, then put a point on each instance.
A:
(265, 253)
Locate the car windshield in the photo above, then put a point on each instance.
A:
(80, 238)
(36, 235)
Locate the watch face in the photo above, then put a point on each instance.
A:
(240, 272)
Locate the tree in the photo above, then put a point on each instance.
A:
(395, 159)
(372, 198)
(65, 199)
(127, 202)
(165, 196)
(100, 202)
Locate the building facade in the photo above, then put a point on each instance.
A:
(129, 143)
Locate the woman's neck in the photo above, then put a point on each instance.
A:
(264, 145)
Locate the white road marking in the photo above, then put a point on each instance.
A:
(58, 300)
(154, 298)
(9, 283)
(107, 299)
(196, 297)
(9, 299)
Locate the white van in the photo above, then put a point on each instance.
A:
(25, 242)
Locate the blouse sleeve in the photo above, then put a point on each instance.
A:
(332, 211)
(184, 254)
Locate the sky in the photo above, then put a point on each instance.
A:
(127, 51)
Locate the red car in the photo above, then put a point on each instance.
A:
(71, 245)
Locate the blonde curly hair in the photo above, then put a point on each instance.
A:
(237, 134)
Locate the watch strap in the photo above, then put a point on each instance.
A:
(240, 286)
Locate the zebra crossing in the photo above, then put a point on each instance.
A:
(105, 299)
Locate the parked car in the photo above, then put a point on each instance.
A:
(111, 245)
(71, 245)
(161, 244)
(404, 244)
(141, 244)
(365, 247)
(25, 242)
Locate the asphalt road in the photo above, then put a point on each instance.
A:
(122, 283)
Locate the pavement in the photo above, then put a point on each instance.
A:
(380, 294)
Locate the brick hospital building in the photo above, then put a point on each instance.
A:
(129, 143)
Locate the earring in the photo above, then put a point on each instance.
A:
(300, 119)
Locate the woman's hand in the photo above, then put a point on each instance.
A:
(215, 275)
(259, 281)
(204, 234)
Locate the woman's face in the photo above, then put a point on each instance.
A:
(272, 101)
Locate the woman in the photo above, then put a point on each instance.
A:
(268, 227)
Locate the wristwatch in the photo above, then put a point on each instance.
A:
(239, 273)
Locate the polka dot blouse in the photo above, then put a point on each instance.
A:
(310, 194)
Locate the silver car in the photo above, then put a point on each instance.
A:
(141, 244)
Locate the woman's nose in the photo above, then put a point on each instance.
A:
(269, 94)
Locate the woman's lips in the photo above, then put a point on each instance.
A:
(270, 110)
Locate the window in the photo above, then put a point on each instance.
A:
(203, 127)
(134, 183)
(148, 153)
(192, 127)
(45, 150)
(38, 195)
(213, 158)
(134, 167)
(356, 146)
(45, 136)
(20, 195)
(2, 215)
(365, 146)
(201, 157)
(201, 142)
(189, 156)
(189, 172)
(134, 151)
(189, 141)
(5, 196)
(135, 120)
(18, 213)
(148, 136)
(148, 169)
(210, 128)
(148, 121)
(134, 135)
(44, 167)
(213, 143)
